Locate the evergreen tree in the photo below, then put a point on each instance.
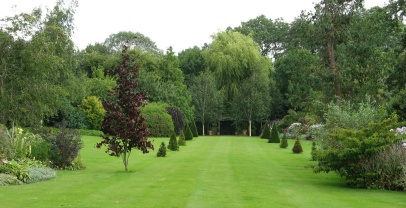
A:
(297, 148)
(173, 143)
(284, 142)
(266, 133)
(194, 129)
(274, 138)
(182, 140)
(314, 151)
(162, 150)
(188, 133)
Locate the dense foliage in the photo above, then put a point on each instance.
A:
(188, 133)
(158, 121)
(177, 118)
(284, 142)
(266, 132)
(274, 138)
(162, 150)
(182, 139)
(297, 147)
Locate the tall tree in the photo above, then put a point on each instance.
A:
(123, 126)
(191, 62)
(37, 68)
(232, 56)
(252, 100)
(206, 98)
(132, 39)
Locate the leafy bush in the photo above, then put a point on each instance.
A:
(173, 143)
(297, 147)
(64, 147)
(284, 142)
(40, 174)
(14, 168)
(194, 129)
(266, 132)
(158, 121)
(177, 117)
(188, 134)
(274, 138)
(353, 116)
(365, 157)
(182, 140)
(6, 179)
(94, 111)
(162, 150)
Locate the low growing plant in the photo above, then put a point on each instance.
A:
(297, 147)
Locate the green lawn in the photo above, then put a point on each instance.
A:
(217, 171)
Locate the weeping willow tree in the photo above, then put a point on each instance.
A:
(233, 57)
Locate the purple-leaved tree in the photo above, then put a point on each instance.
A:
(123, 126)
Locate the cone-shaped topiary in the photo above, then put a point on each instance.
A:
(284, 142)
(182, 140)
(188, 133)
(314, 151)
(162, 150)
(274, 138)
(297, 148)
(266, 133)
(194, 129)
(173, 144)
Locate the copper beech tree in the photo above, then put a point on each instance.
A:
(123, 126)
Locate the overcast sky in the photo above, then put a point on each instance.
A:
(178, 23)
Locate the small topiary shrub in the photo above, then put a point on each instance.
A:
(162, 150)
(173, 144)
(266, 132)
(314, 151)
(188, 134)
(274, 138)
(284, 142)
(194, 129)
(297, 147)
(182, 140)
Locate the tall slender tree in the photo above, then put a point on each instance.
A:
(123, 119)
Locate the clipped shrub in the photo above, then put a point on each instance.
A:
(159, 121)
(194, 129)
(266, 132)
(7, 179)
(40, 174)
(173, 143)
(182, 140)
(188, 134)
(284, 142)
(297, 147)
(162, 150)
(314, 151)
(274, 138)
(177, 117)
(94, 110)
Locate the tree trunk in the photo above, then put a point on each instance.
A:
(249, 127)
(125, 156)
(203, 129)
(330, 47)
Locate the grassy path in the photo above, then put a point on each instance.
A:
(221, 171)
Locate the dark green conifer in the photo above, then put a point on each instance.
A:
(297, 148)
(194, 129)
(188, 134)
(284, 142)
(274, 138)
(162, 150)
(182, 140)
(266, 133)
(173, 143)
